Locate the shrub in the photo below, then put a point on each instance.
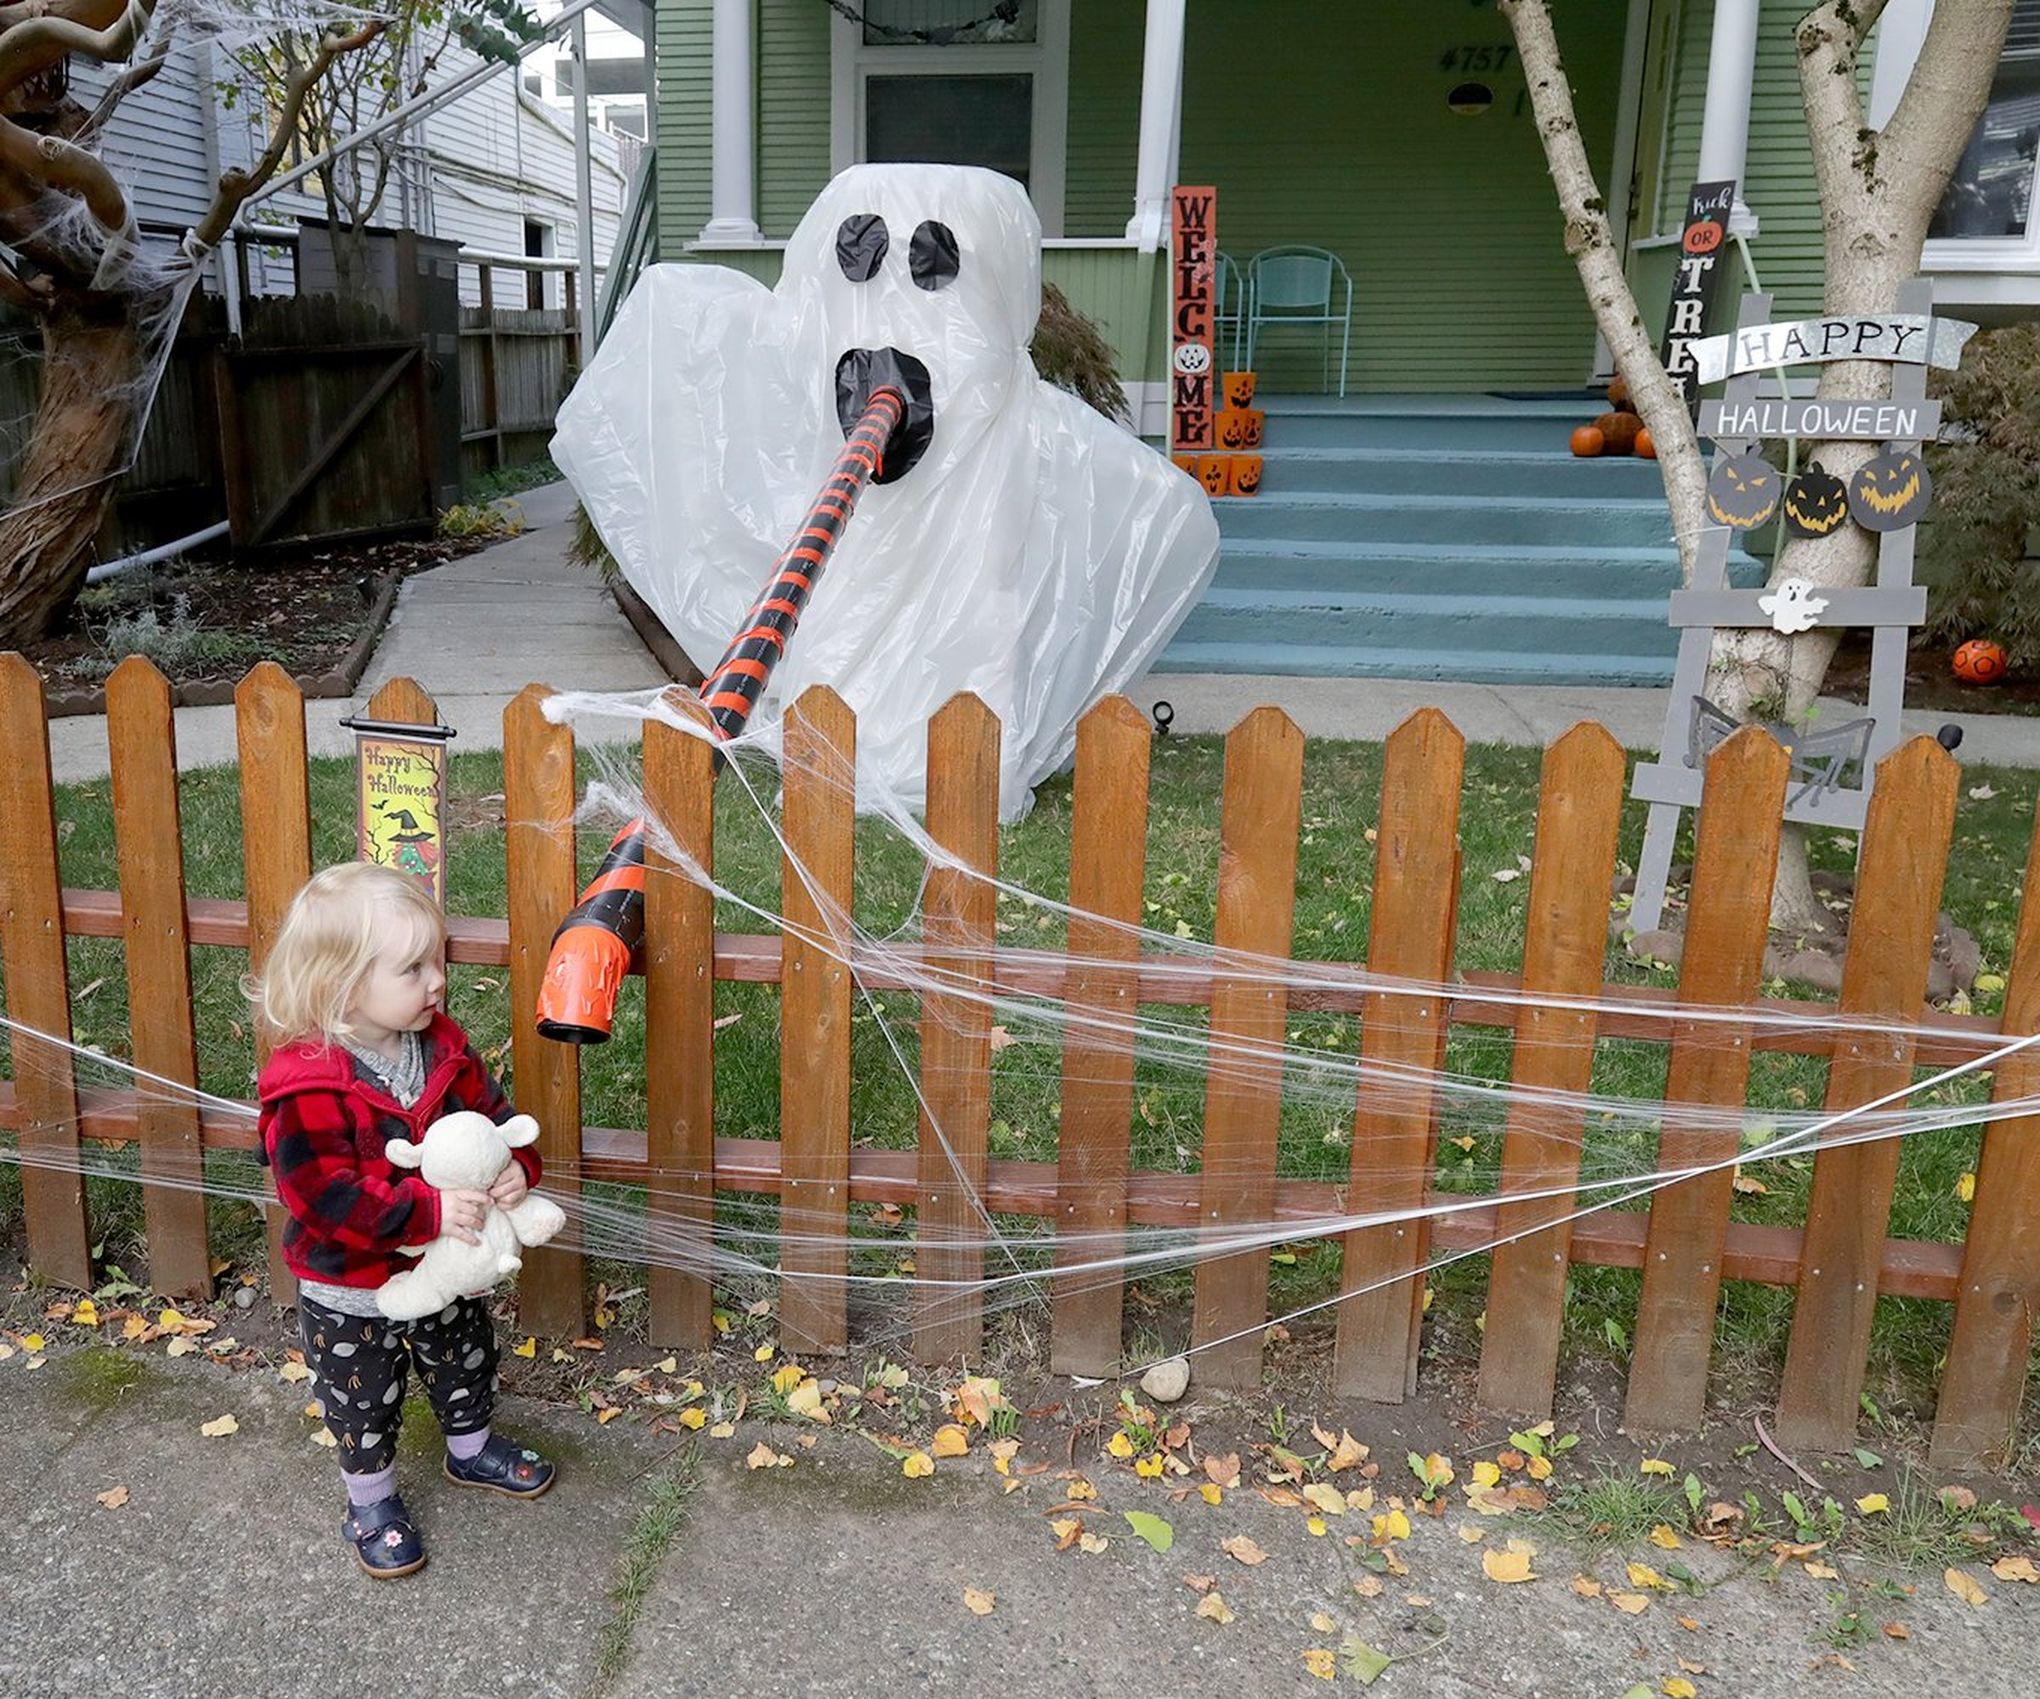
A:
(178, 646)
(1071, 352)
(1987, 498)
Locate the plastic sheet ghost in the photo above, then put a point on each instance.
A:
(1017, 544)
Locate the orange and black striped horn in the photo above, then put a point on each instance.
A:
(598, 941)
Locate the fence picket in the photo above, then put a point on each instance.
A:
(1984, 1384)
(38, 986)
(1410, 935)
(680, 1026)
(276, 858)
(1261, 814)
(1108, 853)
(1727, 924)
(958, 913)
(149, 849)
(538, 802)
(1579, 815)
(1891, 945)
(819, 820)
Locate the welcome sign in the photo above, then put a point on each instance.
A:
(1193, 360)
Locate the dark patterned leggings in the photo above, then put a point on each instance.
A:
(361, 1364)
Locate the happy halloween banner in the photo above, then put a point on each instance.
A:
(400, 809)
(1903, 338)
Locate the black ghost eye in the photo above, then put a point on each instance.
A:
(861, 242)
(932, 258)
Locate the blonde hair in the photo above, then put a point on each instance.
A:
(328, 941)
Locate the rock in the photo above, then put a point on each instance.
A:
(244, 1297)
(1168, 1380)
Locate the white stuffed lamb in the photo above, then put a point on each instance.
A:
(465, 1152)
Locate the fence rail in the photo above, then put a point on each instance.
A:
(1686, 1242)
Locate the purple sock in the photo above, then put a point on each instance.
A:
(461, 1447)
(369, 1488)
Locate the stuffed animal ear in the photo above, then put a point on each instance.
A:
(404, 1153)
(518, 1131)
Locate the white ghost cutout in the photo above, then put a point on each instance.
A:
(1032, 551)
(1793, 606)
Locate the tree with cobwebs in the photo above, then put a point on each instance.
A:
(104, 307)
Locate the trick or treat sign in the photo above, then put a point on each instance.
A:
(400, 815)
(1193, 358)
(1700, 250)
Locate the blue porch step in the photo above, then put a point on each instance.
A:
(1440, 537)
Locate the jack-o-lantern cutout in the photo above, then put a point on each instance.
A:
(1816, 504)
(1213, 474)
(1239, 389)
(1890, 491)
(1185, 463)
(1246, 475)
(1743, 492)
(1239, 427)
(1704, 237)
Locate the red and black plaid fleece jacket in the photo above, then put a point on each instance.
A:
(324, 1126)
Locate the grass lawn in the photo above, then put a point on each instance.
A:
(1335, 871)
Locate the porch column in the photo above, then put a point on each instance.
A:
(732, 214)
(1725, 119)
(1161, 99)
(584, 194)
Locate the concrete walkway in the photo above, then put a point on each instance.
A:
(475, 632)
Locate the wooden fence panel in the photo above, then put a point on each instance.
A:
(1727, 925)
(276, 859)
(1579, 817)
(38, 986)
(1410, 934)
(819, 820)
(1261, 814)
(958, 914)
(1108, 853)
(1984, 1384)
(538, 802)
(149, 849)
(1891, 944)
(679, 1029)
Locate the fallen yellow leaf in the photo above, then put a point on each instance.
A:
(1322, 1662)
(1587, 1587)
(1630, 1604)
(1965, 1188)
(1210, 1493)
(1473, 1536)
(1678, 1687)
(1664, 1539)
(1326, 1498)
(1213, 1608)
(786, 1377)
(916, 1464)
(1873, 1504)
(324, 1437)
(219, 1427)
(1315, 1525)
(1897, 1631)
(1243, 1549)
(1642, 1575)
(86, 1314)
(693, 1420)
(950, 1441)
(1506, 1566)
(806, 1400)
(1822, 1571)
(1964, 1586)
(1092, 1543)
(528, 1349)
(1540, 1469)
(113, 1498)
(605, 1416)
(763, 1354)
(762, 1456)
(1323, 1623)
(1148, 1468)
(1655, 1466)
(979, 1602)
(1487, 1474)
(723, 1430)
(1391, 1525)
(292, 1372)
(1369, 1587)
(2016, 1569)
(32, 1342)
(1119, 1446)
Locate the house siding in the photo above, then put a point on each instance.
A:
(685, 120)
(793, 111)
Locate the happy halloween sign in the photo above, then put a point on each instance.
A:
(1823, 421)
(400, 808)
(1905, 338)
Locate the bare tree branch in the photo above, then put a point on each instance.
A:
(236, 186)
(61, 165)
(1594, 250)
(39, 43)
(136, 76)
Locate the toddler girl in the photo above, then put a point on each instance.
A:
(352, 991)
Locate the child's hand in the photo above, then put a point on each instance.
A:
(510, 1187)
(462, 1215)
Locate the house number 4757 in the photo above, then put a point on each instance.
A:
(1466, 60)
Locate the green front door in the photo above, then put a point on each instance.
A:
(1398, 134)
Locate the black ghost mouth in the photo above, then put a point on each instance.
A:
(863, 371)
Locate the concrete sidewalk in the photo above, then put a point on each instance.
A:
(475, 632)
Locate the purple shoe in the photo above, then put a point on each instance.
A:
(503, 1466)
(385, 1541)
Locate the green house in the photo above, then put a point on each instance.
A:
(1396, 134)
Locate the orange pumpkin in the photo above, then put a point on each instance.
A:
(1705, 238)
(1244, 477)
(1588, 442)
(1645, 448)
(1618, 432)
(1980, 661)
(1214, 473)
(1239, 389)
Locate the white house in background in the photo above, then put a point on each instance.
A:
(619, 79)
(493, 169)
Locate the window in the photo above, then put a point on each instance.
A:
(1990, 196)
(957, 82)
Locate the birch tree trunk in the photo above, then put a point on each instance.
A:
(1879, 190)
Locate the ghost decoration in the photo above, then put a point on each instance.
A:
(1793, 606)
(1017, 544)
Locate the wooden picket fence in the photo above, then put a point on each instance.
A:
(1686, 1244)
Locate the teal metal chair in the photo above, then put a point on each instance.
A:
(1232, 311)
(1298, 285)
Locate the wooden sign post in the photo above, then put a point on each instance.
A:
(1193, 354)
(1708, 207)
